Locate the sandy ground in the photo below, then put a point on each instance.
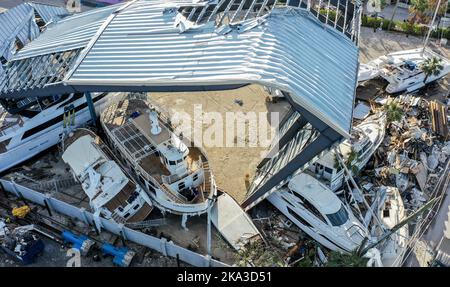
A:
(230, 165)
(374, 45)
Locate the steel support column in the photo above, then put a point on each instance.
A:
(91, 106)
(324, 141)
(284, 139)
(328, 137)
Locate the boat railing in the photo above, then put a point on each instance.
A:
(7, 124)
(355, 229)
(175, 196)
(169, 179)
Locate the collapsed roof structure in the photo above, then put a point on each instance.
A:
(22, 24)
(305, 48)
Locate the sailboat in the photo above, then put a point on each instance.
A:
(391, 212)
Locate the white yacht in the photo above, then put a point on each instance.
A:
(319, 213)
(177, 177)
(403, 69)
(111, 193)
(367, 72)
(30, 126)
(366, 137)
(391, 212)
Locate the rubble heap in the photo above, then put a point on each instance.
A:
(412, 157)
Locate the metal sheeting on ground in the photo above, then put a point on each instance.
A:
(289, 50)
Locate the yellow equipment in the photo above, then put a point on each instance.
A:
(21, 212)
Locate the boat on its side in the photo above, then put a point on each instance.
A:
(403, 69)
(320, 213)
(176, 177)
(391, 212)
(30, 126)
(111, 193)
(366, 137)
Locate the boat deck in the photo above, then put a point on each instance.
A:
(46, 169)
(135, 136)
(153, 166)
(121, 198)
(142, 122)
(8, 120)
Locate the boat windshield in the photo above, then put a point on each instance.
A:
(338, 218)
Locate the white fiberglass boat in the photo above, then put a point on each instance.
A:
(367, 72)
(319, 213)
(37, 124)
(391, 212)
(403, 69)
(366, 137)
(111, 193)
(177, 177)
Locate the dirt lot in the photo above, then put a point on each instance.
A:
(230, 165)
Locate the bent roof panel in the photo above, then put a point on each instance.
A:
(70, 33)
(17, 22)
(291, 50)
(49, 12)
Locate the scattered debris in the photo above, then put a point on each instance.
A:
(361, 111)
(439, 112)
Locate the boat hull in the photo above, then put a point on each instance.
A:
(44, 139)
(346, 246)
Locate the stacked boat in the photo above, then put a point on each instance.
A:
(30, 126)
(177, 177)
(111, 192)
(320, 213)
(366, 137)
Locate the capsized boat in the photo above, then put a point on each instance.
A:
(320, 213)
(111, 193)
(403, 69)
(366, 137)
(391, 212)
(176, 177)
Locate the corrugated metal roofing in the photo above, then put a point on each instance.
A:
(290, 50)
(141, 45)
(16, 22)
(49, 12)
(70, 33)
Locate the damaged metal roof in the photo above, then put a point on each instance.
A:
(20, 22)
(18, 27)
(70, 33)
(176, 45)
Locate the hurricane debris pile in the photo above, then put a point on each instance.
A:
(413, 154)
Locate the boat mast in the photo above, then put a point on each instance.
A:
(431, 27)
(394, 229)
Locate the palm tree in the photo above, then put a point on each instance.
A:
(394, 111)
(338, 259)
(418, 9)
(431, 66)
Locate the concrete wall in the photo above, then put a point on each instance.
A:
(159, 244)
